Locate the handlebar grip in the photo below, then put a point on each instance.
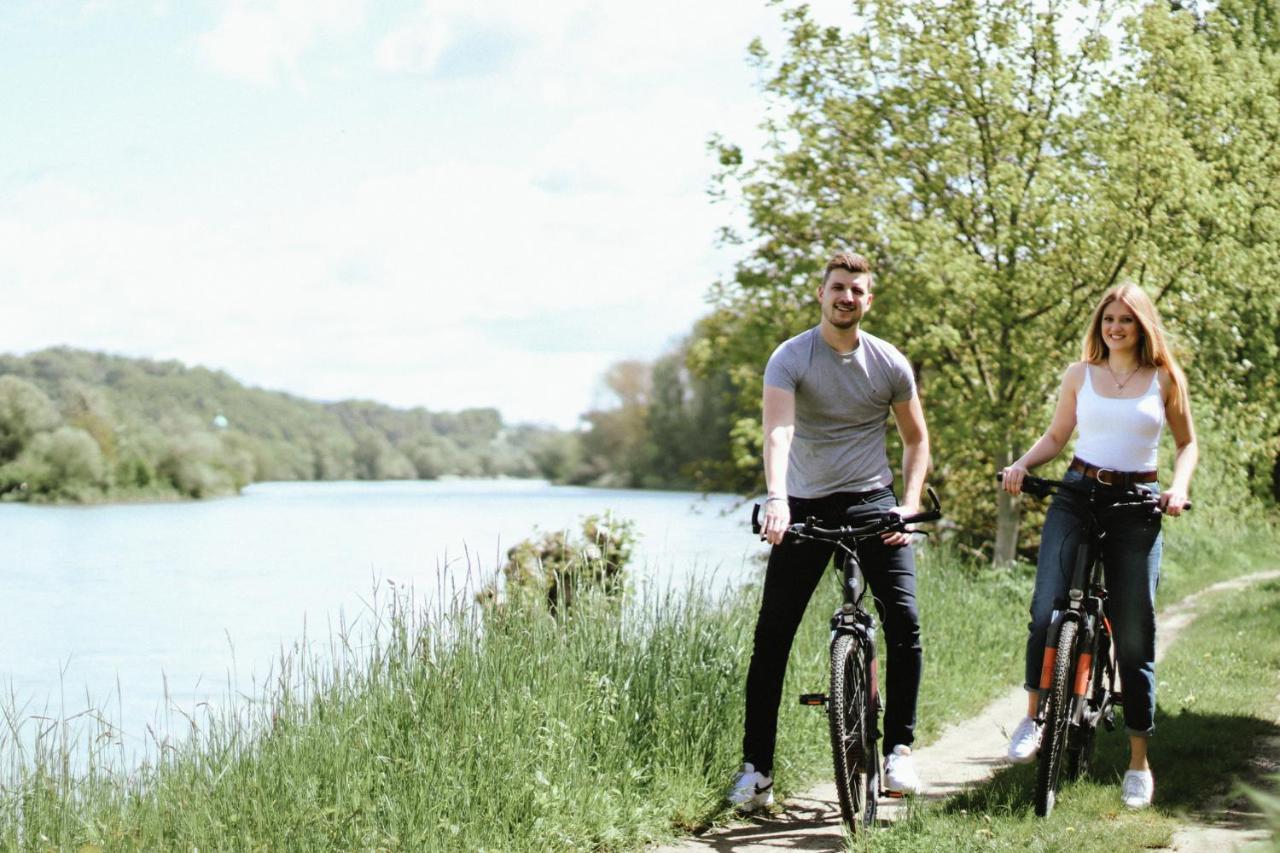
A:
(755, 519)
(921, 518)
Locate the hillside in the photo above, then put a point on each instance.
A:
(86, 426)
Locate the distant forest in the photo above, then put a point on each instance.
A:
(84, 427)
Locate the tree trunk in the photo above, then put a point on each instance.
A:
(1008, 517)
(1275, 480)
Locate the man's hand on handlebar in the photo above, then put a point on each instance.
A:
(899, 537)
(1173, 501)
(777, 515)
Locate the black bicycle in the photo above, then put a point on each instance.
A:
(1078, 676)
(853, 702)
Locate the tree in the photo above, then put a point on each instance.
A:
(65, 463)
(1002, 166)
(616, 445)
(1212, 259)
(949, 144)
(24, 412)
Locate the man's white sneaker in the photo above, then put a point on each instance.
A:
(1137, 788)
(751, 790)
(900, 776)
(1025, 742)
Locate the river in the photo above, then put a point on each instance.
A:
(140, 609)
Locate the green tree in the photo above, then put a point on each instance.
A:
(616, 444)
(949, 144)
(1001, 175)
(689, 421)
(65, 464)
(1213, 84)
(25, 410)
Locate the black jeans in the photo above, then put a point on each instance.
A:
(793, 573)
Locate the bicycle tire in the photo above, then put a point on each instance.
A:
(1080, 750)
(1055, 725)
(849, 710)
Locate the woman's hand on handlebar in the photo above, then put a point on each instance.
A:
(1172, 501)
(1011, 478)
(777, 515)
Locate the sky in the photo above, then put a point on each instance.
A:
(445, 204)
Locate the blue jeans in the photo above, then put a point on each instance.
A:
(1131, 562)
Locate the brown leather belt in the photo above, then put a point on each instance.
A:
(1110, 476)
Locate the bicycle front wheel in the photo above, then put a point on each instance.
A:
(1055, 724)
(851, 711)
(1080, 749)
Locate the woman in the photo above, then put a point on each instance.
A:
(1120, 395)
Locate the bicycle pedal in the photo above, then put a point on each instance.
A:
(1109, 721)
(893, 795)
(816, 699)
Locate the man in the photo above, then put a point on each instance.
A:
(827, 396)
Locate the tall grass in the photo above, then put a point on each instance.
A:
(602, 729)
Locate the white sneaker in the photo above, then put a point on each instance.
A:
(900, 776)
(751, 790)
(1137, 788)
(1025, 742)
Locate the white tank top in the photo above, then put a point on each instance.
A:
(1119, 433)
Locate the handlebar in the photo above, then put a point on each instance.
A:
(864, 522)
(1043, 488)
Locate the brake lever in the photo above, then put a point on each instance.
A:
(933, 499)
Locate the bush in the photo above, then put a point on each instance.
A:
(24, 412)
(556, 569)
(63, 464)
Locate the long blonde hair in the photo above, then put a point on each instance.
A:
(1153, 343)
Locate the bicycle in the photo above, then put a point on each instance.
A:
(1078, 675)
(853, 702)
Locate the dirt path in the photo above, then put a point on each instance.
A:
(965, 754)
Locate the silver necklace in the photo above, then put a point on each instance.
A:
(1120, 385)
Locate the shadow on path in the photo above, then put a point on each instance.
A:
(1199, 760)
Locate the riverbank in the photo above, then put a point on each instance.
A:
(605, 730)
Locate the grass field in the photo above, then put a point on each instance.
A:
(602, 731)
(1217, 701)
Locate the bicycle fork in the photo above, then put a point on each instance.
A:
(1080, 676)
(849, 620)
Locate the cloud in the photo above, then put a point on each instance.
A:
(456, 284)
(263, 41)
(496, 232)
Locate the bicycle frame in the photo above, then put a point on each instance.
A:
(1078, 692)
(852, 618)
(1085, 605)
(853, 707)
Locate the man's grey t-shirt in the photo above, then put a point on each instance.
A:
(842, 410)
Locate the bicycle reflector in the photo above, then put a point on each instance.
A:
(813, 698)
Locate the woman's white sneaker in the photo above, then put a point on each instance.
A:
(1025, 742)
(1137, 788)
(751, 790)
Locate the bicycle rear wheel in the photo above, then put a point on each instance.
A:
(1055, 725)
(851, 712)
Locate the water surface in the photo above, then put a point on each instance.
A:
(111, 606)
